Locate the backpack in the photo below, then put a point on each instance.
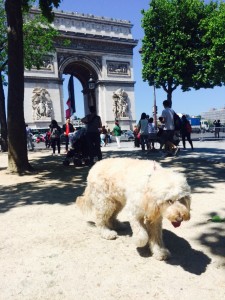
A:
(177, 122)
(188, 127)
(55, 133)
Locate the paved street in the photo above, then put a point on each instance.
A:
(213, 149)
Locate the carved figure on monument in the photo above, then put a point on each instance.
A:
(120, 104)
(41, 104)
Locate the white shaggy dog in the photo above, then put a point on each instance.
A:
(149, 192)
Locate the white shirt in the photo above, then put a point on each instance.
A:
(167, 114)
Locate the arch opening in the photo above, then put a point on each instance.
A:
(81, 72)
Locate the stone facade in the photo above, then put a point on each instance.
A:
(95, 46)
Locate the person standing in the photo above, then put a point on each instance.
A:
(55, 136)
(167, 119)
(103, 136)
(217, 128)
(117, 133)
(30, 144)
(143, 129)
(186, 131)
(136, 137)
(67, 129)
(93, 126)
(151, 134)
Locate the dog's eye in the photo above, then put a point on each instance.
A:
(170, 202)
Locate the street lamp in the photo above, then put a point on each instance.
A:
(91, 87)
(91, 83)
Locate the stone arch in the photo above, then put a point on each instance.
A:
(83, 67)
(86, 46)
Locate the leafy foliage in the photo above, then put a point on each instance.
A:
(184, 44)
(39, 38)
(3, 38)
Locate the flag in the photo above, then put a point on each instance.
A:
(71, 99)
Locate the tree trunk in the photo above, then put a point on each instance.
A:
(17, 142)
(4, 143)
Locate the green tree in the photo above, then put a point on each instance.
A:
(37, 42)
(17, 152)
(172, 43)
(211, 57)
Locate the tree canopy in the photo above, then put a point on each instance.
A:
(183, 44)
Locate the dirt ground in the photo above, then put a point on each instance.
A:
(49, 251)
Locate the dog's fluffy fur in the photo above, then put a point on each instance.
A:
(149, 192)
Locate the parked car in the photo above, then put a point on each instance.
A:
(127, 135)
(38, 138)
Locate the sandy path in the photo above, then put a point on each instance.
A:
(48, 251)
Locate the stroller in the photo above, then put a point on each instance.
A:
(78, 154)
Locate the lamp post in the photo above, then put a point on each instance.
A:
(155, 108)
(91, 87)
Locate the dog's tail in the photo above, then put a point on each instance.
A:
(84, 203)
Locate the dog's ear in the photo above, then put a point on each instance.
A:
(150, 207)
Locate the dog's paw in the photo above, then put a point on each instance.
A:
(161, 254)
(108, 234)
(142, 239)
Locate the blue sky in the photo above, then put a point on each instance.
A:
(193, 102)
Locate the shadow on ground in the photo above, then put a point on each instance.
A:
(56, 184)
(182, 254)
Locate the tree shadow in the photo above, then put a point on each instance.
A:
(214, 237)
(182, 254)
(55, 183)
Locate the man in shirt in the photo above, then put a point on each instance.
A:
(168, 130)
(67, 129)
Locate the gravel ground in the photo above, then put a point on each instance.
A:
(49, 250)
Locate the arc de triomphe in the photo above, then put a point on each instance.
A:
(95, 46)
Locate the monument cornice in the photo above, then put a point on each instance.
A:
(96, 45)
(98, 37)
(35, 79)
(115, 83)
(88, 23)
(84, 17)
